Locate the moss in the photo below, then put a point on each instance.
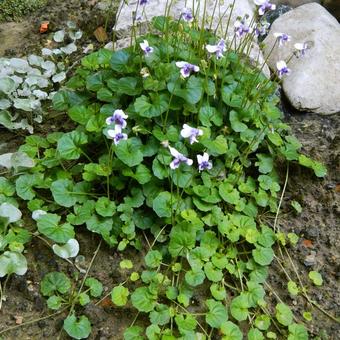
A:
(14, 9)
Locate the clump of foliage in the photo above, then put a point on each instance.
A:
(15, 9)
(26, 84)
(206, 224)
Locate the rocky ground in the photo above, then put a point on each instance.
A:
(318, 247)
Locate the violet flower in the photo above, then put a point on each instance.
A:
(264, 6)
(191, 133)
(145, 47)
(282, 68)
(178, 159)
(203, 162)
(118, 118)
(282, 38)
(262, 28)
(143, 2)
(241, 28)
(217, 49)
(117, 135)
(186, 15)
(186, 68)
(301, 48)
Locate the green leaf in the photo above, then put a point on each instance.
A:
(194, 277)
(12, 262)
(24, 186)
(84, 299)
(213, 274)
(255, 334)
(126, 264)
(208, 115)
(239, 307)
(120, 61)
(133, 333)
(218, 292)
(262, 255)
(104, 207)
(96, 288)
(81, 113)
(297, 206)
(161, 315)
(192, 91)
(54, 283)
(182, 239)
(77, 328)
(10, 212)
(316, 278)
(283, 314)
(119, 295)
(152, 108)
(297, 332)
(153, 258)
(63, 192)
(143, 300)
(128, 151)
(69, 144)
(293, 289)
(48, 225)
(54, 302)
(216, 147)
(126, 85)
(265, 163)
(236, 124)
(217, 314)
(162, 204)
(228, 193)
(231, 331)
(6, 187)
(262, 322)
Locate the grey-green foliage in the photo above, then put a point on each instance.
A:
(14, 9)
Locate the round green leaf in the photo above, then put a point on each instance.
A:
(263, 256)
(217, 314)
(77, 329)
(283, 314)
(104, 207)
(119, 295)
(55, 282)
(129, 152)
(12, 262)
(231, 331)
(316, 278)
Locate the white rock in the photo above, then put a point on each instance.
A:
(314, 82)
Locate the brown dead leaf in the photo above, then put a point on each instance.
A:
(307, 243)
(107, 302)
(100, 34)
(44, 26)
(18, 319)
(337, 188)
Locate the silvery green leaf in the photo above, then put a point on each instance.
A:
(17, 80)
(109, 46)
(61, 66)
(57, 51)
(6, 121)
(11, 212)
(40, 94)
(71, 24)
(25, 92)
(21, 160)
(34, 72)
(35, 60)
(22, 103)
(6, 71)
(7, 85)
(38, 119)
(19, 65)
(12, 262)
(69, 249)
(76, 35)
(48, 65)
(59, 36)
(40, 81)
(59, 77)
(51, 95)
(69, 49)
(46, 52)
(36, 214)
(5, 104)
(23, 124)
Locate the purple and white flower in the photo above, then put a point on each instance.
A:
(117, 135)
(301, 48)
(264, 6)
(118, 118)
(282, 68)
(145, 47)
(203, 162)
(178, 159)
(186, 68)
(241, 28)
(186, 15)
(262, 28)
(217, 49)
(144, 2)
(282, 38)
(191, 133)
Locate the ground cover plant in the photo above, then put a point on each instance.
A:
(176, 151)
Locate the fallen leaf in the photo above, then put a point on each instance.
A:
(18, 319)
(307, 243)
(107, 302)
(44, 26)
(337, 188)
(100, 34)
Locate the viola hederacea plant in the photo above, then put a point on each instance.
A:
(175, 153)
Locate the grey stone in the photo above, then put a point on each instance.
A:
(293, 3)
(314, 82)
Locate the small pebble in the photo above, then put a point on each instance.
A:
(310, 260)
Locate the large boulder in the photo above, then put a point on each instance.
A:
(293, 3)
(314, 82)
